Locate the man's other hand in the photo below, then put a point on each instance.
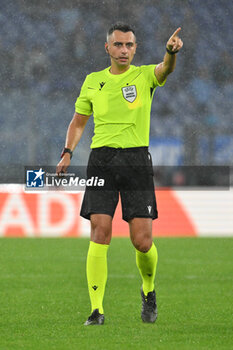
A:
(63, 164)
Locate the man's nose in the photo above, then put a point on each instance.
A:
(124, 49)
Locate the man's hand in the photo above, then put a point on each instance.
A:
(166, 67)
(63, 164)
(175, 43)
(73, 136)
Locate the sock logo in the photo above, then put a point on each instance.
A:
(149, 274)
(95, 287)
(149, 207)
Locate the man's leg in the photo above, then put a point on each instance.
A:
(146, 260)
(101, 231)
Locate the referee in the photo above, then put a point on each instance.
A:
(120, 97)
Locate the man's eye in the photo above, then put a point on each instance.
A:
(130, 45)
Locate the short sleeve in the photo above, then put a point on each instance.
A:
(83, 104)
(149, 72)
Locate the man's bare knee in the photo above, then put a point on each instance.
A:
(141, 233)
(142, 242)
(101, 228)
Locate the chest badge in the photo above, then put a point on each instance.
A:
(130, 93)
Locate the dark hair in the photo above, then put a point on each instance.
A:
(122, 27)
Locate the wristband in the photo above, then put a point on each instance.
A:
(66, 150)
(171, 52)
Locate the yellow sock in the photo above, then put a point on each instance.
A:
(97, 274)
(146, 263)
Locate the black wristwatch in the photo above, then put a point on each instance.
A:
(66, 150)
(171, 52)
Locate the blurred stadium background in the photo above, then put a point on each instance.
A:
(47, 47)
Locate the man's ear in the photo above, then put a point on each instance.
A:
(106, 47)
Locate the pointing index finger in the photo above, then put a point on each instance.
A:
(176, 32)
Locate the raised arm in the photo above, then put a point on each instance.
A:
(73, 136)
(166, 67)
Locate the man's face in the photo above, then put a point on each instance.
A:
(121, 48)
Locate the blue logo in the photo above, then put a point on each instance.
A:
(35, 178)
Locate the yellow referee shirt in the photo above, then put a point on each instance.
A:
(121, 106)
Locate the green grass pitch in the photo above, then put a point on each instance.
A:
(44, 299)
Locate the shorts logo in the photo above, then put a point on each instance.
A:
(129, 93)
(149, 208)
(35, 178)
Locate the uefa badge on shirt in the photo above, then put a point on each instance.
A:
(129, 93)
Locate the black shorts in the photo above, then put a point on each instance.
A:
(126, 171)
